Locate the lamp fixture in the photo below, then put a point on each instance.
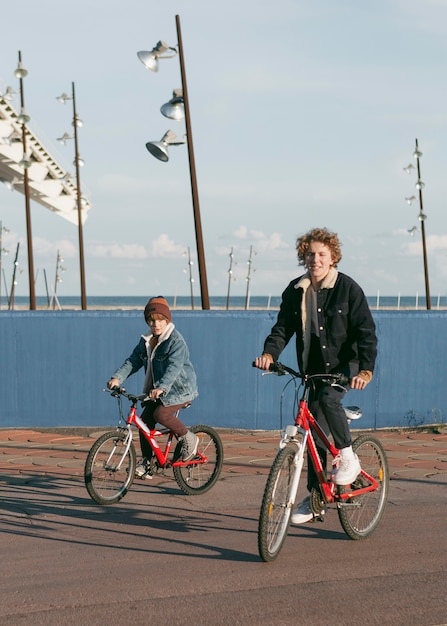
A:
(79, 160)
(20, 71)
(65, 137)
(410, 199)
(9, 184)
(23, 118)
(411, 231)
(77, 122)
(408, 169)
(8, 140)
(25, 162)
(150, 59)
(159, 149)
(63, 98)
(9, 93)
(175, 108)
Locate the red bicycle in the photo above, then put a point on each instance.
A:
(360, 506)
(110, 465)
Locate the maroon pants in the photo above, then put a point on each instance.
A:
(166, 416)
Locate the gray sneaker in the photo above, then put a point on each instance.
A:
(143, 470)
(190, 443)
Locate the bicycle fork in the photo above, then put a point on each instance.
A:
(127, 443)
(289, 437)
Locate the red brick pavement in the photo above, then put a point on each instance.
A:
(411, 454)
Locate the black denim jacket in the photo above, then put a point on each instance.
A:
(347, 330)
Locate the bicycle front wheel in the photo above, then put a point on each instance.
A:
(109, 469)
(360, 515)
(276, 507)
(198, 478)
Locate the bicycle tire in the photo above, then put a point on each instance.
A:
(361, 515)
(104, 482)
(198, 478)
(276, 507)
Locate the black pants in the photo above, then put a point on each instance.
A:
(325, 405)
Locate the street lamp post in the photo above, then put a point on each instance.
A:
(77, 163)
(417, 154)
(150, 60)
(20, 73)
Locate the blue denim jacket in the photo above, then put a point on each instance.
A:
(167, 367)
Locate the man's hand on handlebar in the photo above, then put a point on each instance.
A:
(263, 362)
(113, 382)
(358, 382)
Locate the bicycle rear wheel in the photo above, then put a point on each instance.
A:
(109, 470)
(360, 515)
(276, 507)
(198, 478)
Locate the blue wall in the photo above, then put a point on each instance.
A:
(54, 365)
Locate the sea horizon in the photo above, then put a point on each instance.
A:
(265, 302)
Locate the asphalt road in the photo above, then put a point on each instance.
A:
(161, 557)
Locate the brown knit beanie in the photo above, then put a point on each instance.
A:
(157, 305)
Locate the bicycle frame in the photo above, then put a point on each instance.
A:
(162, 456)
(307, 423)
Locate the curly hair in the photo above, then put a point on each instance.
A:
(324, 236)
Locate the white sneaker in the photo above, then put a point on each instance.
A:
(303, 513)
(348, 468)
(143, 470)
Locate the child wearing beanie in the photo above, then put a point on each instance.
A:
(170, 382)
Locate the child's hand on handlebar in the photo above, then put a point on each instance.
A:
(154, 394)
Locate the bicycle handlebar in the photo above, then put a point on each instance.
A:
(281, 370)
(121, 391)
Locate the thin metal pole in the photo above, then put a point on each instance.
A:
(424, 246)
(247, 294)
(230, 276)
(78, 193)
(46, 287)
(1, 252)
(192, 170)
(32, 292)
(191, 280)
(13, 285)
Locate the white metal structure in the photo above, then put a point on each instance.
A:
(49, 184)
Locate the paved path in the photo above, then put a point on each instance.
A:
(160, 557)
(411, 454)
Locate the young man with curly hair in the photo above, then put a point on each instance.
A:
(328, 313)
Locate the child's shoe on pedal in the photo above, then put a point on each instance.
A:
(190, 443)
(143, 470)
(348, 468)
(303, 513)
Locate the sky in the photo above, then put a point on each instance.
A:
(303, 115)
